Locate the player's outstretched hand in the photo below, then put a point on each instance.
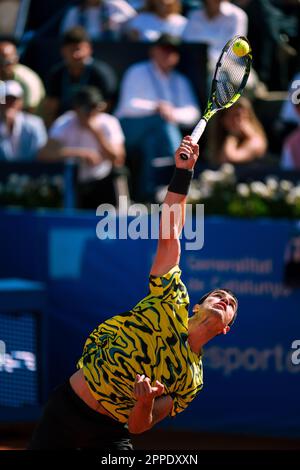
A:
(190, 149)
(144, 392)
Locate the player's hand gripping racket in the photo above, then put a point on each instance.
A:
(229, 80)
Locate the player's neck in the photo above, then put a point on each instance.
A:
(199, 334)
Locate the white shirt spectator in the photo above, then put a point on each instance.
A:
(216, 31)
(29, 135)
(117, 12)
(288, 112)
(67, 130)
(150, 26)
(144, 86)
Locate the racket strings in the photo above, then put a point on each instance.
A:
(229, 77)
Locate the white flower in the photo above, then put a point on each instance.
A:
(272, 183)
(243, 190)
(286, 185)
(227, 172)
(260, 189)
(293, 195)
(209, 176)
(194, 194)
(227, 169)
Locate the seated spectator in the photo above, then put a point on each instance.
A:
(289, 114)
(214, 24)
(100, 18)
(236, 135)
(158, 17)
(155, 100)
(10, 69)
(77, 69)
(21, 134)
(290, 159)
(96, 139)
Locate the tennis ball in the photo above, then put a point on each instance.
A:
(241, 48)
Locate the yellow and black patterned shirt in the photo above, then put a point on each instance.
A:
(150, 339)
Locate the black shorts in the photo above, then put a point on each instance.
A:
(68, 423)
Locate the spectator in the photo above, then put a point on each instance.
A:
(10, 69)
(155, 100)
(291, 149)
(159, 17)
(288, 119)
(237, 135)
(289, 114)
(214, 24)
(100, 18)
(77, 69)
(96, 139)
(21, 134)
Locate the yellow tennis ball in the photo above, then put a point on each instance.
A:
(241, 48)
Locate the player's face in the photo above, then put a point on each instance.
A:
(222, 306)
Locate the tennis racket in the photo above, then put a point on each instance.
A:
(228, 83)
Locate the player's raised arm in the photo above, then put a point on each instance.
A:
(173, 210)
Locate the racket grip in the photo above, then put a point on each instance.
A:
(195, 135)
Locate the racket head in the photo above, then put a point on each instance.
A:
(230, 77)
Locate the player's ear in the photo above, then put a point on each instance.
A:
(225, 330)
(196, 308)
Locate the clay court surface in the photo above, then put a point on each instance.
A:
(16, 437)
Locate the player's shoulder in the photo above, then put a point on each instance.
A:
(170, 281)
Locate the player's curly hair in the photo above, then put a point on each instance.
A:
(204, 297)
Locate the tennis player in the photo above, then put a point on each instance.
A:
(145, 364)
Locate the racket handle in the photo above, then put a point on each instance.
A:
(196, 134)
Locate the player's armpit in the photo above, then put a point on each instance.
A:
(162, 408)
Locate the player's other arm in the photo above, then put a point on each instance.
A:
(173, 209)
(150, 407)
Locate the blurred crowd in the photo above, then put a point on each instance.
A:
(83, 112)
